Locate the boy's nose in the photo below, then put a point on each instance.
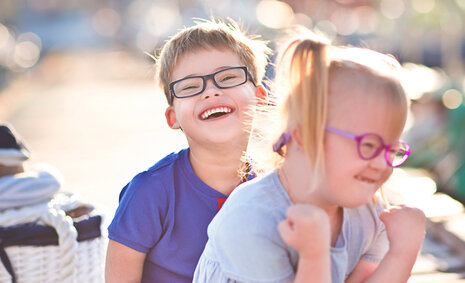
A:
(210, 90)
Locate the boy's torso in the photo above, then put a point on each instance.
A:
(184, 206)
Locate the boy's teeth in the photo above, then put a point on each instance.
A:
(205, 115)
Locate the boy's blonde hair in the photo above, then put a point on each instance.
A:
(308, 68)
(208, 34)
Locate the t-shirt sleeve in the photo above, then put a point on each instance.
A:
(249, 248)
(138, 221)
(380, 244)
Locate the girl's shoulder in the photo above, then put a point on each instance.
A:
(253, 206)
(264, 191)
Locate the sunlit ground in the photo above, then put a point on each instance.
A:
(97, 117)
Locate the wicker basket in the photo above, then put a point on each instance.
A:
(53, 248)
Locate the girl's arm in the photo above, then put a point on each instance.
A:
(405, 228)
(362, 270)
(306, 229)
(123, 264)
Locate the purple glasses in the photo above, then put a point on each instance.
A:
(370, 145)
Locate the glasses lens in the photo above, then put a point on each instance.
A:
(397, 154)
(369, 146)
(188, 87)
(230, 77)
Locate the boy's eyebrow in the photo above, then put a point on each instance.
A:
(214, 71)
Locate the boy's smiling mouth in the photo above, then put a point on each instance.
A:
(215, 112)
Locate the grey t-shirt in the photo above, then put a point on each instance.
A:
(245, 246)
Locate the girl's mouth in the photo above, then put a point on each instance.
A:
(364, 179)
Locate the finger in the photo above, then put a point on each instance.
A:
(299, 210)
(284, 230)
(384, 215)
(291, 212)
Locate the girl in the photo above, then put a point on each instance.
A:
(316, 218)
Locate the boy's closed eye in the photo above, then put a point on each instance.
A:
(189, 84)
(229, 77)
(187, 87)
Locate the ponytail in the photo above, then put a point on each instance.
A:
(306, 103)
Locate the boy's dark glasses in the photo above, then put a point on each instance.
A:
(226, 78)
(370, 145)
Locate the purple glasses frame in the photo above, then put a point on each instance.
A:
(383, 146)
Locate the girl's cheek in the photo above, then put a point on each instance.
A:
(387, 174)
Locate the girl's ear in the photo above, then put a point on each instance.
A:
(261, 95)
(170, 116)
(296, 137)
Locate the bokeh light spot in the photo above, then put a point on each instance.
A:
(162, 18)
(452, 98)
(423, 6)
(26, 54)
(451, 22)
(4, 36)
(392, 9)
(303, 20)
(345, 20)
(106, 22)
(32, 37)
(368, 19)
(274, 14)
(419, 79)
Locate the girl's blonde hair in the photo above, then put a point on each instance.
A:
(307, 69)
(212, 34)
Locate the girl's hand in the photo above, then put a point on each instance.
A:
(405, 228)
(306, 229)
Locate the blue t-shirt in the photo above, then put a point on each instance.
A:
(165, 212)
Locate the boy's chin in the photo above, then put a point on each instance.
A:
(227, 140)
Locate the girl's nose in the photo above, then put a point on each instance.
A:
(379, 162)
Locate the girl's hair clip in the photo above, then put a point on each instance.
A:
(282, 141)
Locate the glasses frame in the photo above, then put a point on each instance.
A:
(211, 76)
(385, 147)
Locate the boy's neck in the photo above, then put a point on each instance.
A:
(219, 168)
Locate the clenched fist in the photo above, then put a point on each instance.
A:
(405, 228)
(306, 229)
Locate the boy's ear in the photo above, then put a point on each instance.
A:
(261, 95)
(170, 116)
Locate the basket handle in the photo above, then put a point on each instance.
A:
(7, 263)
(67, 241)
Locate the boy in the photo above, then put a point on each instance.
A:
(210, 74)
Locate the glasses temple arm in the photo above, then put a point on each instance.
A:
(339, 132)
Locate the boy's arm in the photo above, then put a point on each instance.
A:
(306, 229)
(123, 264)
(405, 228)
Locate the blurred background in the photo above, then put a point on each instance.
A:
(76, 83)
